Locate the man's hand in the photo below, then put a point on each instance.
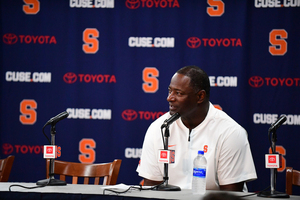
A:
(233, 187)
(148, 182)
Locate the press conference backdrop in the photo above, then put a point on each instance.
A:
(108, 63)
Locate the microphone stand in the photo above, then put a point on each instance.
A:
(165, 186)
(51, 180)
(273, 193)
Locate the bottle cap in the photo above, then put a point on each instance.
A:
(201, 152)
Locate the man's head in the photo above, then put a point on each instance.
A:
(199, 78)
(188, 90)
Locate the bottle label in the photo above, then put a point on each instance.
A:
(199, 172)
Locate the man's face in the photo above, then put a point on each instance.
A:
(182, 98)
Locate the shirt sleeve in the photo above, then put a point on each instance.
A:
(235, 163)
(149, 167)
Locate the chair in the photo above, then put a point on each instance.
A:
(292, 178)
(108, 171)
(5, 168)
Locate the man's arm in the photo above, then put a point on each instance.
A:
(233, 187)
(148, 182)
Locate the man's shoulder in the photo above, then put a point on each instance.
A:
(225, 121)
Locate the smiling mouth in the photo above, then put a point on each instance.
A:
(172, 108)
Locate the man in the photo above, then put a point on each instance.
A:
(200, 127)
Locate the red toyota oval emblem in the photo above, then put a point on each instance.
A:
(132, 4)
(70, 77)
(256, 81)
(10, 38)
(7, 148)
(193, 42)
(129, 115)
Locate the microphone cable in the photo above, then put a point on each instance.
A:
(22, 186)
(46, 135)
(139, 187)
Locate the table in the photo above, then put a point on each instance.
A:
(90, 192)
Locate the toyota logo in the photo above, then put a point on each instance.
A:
(70, 77)
(193, 42)
(132, 4)
(256, 81)
(129, 115)
(163, 154)
(10, 38)
(49, 150)
(7, 149)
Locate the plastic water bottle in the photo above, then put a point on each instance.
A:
(199, 174)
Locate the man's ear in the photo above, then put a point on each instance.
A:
(201, 96)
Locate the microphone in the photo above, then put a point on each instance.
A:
(164, 154)
(169, 121)
(278, 123)
(57, 118)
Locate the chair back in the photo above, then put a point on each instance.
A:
(108, 171)
(292, 178)
(5, 168)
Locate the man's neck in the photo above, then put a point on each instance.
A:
(197, 117)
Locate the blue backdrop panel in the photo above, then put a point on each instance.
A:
(109, 64)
